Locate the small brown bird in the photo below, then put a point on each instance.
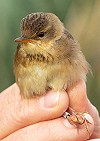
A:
(47, 56)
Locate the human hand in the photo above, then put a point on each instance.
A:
(40, 119)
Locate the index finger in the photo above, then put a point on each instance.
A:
(80, 103)
(78, 97)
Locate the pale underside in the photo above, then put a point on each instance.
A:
(37, 79)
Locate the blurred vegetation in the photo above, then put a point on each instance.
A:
(82, 19)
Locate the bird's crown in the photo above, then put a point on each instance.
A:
(35, 23)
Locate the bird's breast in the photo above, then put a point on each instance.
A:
(30, 54)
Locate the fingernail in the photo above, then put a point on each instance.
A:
(88, 118)
(50, 100)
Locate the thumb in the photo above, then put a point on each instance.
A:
(16, 113)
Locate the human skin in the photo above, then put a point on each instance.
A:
(40, 119)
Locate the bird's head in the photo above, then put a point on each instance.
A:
(43, 27)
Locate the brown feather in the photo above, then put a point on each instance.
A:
(53, 61)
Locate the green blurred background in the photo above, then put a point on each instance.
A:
(81, 18)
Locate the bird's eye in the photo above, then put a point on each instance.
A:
(41, 34)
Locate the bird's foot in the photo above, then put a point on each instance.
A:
(77, 118)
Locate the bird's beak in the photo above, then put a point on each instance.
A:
(22, 39)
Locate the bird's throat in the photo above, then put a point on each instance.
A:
(28, 54)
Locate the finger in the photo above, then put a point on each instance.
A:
(95, 115)
(16, 113)
(58, 129)
(78, 97)
(79, 102)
